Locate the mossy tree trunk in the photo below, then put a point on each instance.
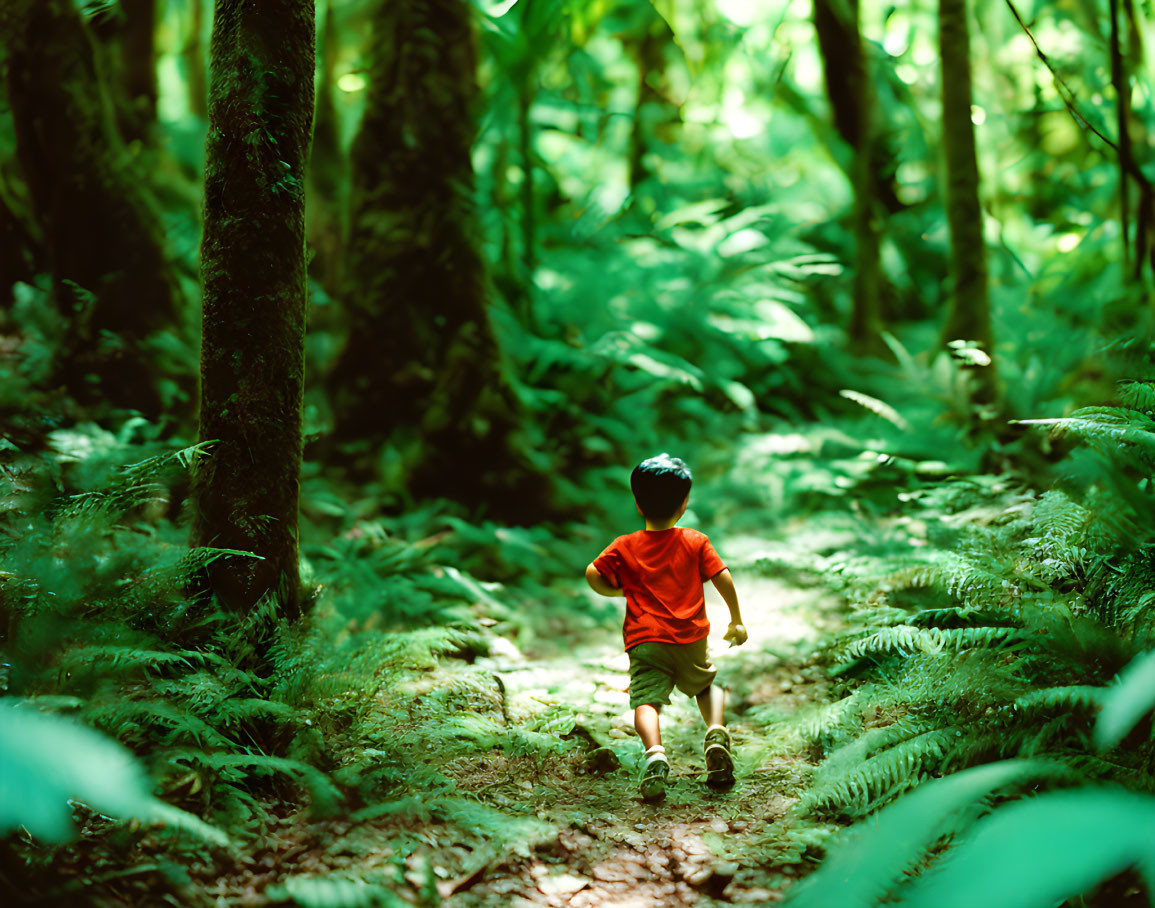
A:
(261, 62)
(126, 36)
(421, 366)
(192, 50)
(100, 230)
(855, 108)
(969, 314)
(328, 178)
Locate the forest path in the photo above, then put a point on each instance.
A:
(597, 843)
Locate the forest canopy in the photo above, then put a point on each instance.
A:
(331, 330)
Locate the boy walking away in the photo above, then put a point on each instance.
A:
(660, 570)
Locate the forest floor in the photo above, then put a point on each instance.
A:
(526, 825)
(605, 846)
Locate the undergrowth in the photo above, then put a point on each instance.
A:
(989, 620)
(359, 709)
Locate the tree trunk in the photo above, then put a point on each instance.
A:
(1120, 81)
(139, 78)
(421, 366)
(849, 87)
(850, 90)
(651, 62)
(126, 36)
(261, 66)
(528, 197)
(327, 170)
(969, 317)
(99, 227)
(194, 60)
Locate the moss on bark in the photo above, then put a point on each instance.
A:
(421, 367)
(98, 223)
(253, 273)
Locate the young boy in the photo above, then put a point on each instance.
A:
(660, 571)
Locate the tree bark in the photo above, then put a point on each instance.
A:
(139, 77)
(261, 66)
(421, 366)
(850, 90)
(126, 36)
(969, 316)
(100, 230)
(1120, 81)
(849, 87)
(194, 60)
(327, 170)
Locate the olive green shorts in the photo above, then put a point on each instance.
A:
(657, 668)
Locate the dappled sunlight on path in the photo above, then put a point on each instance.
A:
(607, 847)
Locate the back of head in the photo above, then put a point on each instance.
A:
(660, 485)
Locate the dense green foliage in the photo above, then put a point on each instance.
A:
(664, 228)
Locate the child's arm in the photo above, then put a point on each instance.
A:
(599, 584)
(724, 584)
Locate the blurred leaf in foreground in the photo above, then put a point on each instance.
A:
(46, 760)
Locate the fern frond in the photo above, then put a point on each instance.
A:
(116, 660)
(906, 640)
(882, 776)
(828, 719)
(234, 712)
(1071, 698)
(877, 407)
(236, 767)
(1106, 428)
(1138, 395)
(149, 723)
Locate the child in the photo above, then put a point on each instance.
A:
(660, 570)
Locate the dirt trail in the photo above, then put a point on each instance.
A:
(603, 845)
(531, 820)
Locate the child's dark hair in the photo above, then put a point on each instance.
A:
(660, 485)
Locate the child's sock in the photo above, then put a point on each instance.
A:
(656, 753)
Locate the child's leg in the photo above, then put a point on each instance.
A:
(719, 763)
(646, 722)
(712, 704)
(655, 766)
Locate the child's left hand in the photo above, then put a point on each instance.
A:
(736, 634)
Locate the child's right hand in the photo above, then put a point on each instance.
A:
(736, 634)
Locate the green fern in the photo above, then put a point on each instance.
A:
(906, 640)
(882, 776)
(1071, 698)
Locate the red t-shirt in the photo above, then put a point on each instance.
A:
(662, 572)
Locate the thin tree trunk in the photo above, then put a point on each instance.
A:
(139, 79)
(1121, 83)
(327, 170)
(100, 230)
(194, 60)
(253, 271)
(528, 201)
(651, 64)
(421, 366)
(125, 37)
(848, 86)
(969, 316)
(851, 91)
